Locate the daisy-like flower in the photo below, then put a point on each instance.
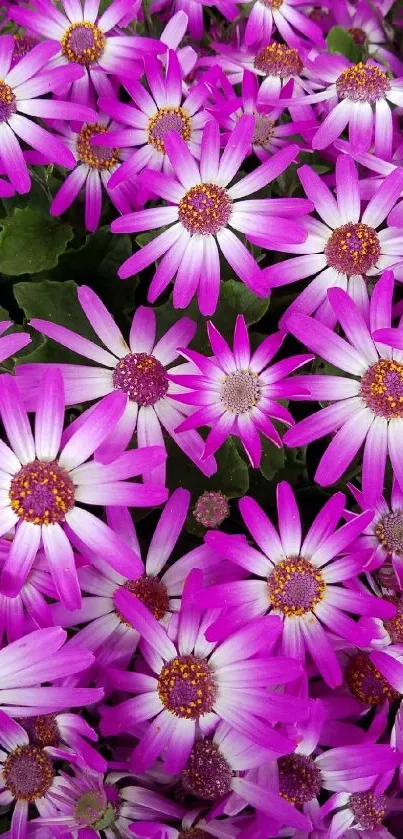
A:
(195, 683)
(344, 248)
(287, 18)
(95, 166)
(219, 768)
(152, 115)
(383, 536)
(20, 90)
(89, 41)
(30, 608)
(40, 657)
(359, 96)
(366, 27)
(93, 805)
(67, 733)
(238, 392)
(107, 631)
(203, 209)
(140, 371)
(43, 479)
(270, 135)
(300, 579)
(367, 403)
(365, 810)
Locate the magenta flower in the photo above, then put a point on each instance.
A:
(194, 12)
(23, 44)
(224, 770)
(367, 403)
(229, 682)
(81, 802)
(95, 166)
(38, 657)
(203, 208)
(238, 393)
(289, 21)
(366, 26)
(43, 477)
(362, 93)
(30, 608)
(344, 248)
(159, 587)
(89, 41)
(11, 344)
(68, 734)
(300, 579)
(140, 371)
(154, 114)
(20, 90)
(270, 134)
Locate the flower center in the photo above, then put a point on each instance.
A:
(366, 682)
(358, 35)
(211, 509)
(240, 391)
(97, 157)
(362, 83)
(368, 809)
(395, 626)
(83, 43)
(142, 377)
(386, 577)
(44, 730)
(278, 60)
(7, 101)
(165, 120)
(264, 130)
(382, 390)
(152, 593)
(205, 208)
(92, 809)
(353, 249)
(42, 493)
(194, 833)
(186, 687)
(295, 586)
(389, 530)
(23, 44)
(207, 774)
(28, 773)
(299, 779)
(272, 4)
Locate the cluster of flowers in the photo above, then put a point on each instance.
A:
(250, 687)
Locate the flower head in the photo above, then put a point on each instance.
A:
(289, 20)
(238, 392)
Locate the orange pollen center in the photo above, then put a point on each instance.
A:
(362, 83)
(42, 493)
(295, 586)
(186, 687)
(165, 120)
(278, 60)
(28, 773)
(205, 208)
(366, 682)
(83, 43)
(97, 157)
(382, 390)
(353, 249)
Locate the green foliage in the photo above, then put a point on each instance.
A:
(340, 41)
(31, 241)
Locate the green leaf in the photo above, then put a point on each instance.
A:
(231, 478)
(340, 41)
(273, 459)
(57, 302)
(31, 241)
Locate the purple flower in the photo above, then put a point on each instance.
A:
(229, 681)
(66, 734)
(93, 804)
(367, 403)
(140, 371)
(44, 477)
(219, 770)
(344, 248)
(158, 587)
(194, 12)
(23, 44)
(88, 41)
(283, 15)
(239, 393)
(300, 579)
(362, 93)
(365, 24)
(38, 657)
(11, 344)
(20, 90)
(154, 114)
(29, 609)
(94, 168)
(270, 134)
(203, 208)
